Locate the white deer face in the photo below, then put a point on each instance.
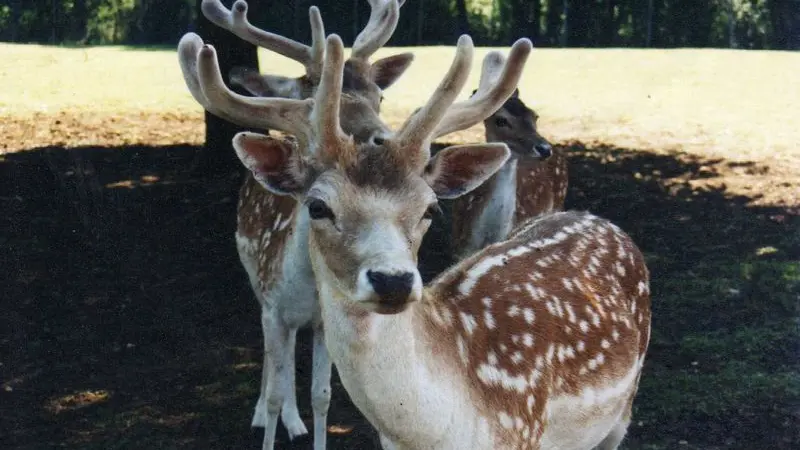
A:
(369, 209)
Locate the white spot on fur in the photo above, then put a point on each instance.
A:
(489, 319)
(527, 340)
(468, 322)
(462, 350)
(493, 376)
(570, 313)
(529, 315)
(505, 420)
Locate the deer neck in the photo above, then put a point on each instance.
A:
(492, 217)
(391, 369)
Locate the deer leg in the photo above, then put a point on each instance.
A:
(386, 444)
(260, 414)
(277, 340)
(320, 388)
(289, 412)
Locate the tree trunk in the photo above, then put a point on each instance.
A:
(463, 18)
(649, 39)
(217, 158)
(553, 21)
(16, 12)
(731, 24)
(535, 20)
(80, 16)
(420, 20)
(565, 25)
(610, 23)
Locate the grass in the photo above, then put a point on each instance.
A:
(693, 152)
(734, 103)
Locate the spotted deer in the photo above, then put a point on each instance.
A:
(273, 229)
(537, 341)
(270, 235)
(532, 182)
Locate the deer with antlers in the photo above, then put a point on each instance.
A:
(537, 341)
(271, 235)
(273, 229)
(532, 182)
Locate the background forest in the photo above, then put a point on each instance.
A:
(750, 24)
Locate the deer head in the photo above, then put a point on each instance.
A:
(514, 122)
(362, 77)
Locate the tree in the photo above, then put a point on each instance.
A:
(217, 157)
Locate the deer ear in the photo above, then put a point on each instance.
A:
(386, 71)
(275, 163)
(459, 169)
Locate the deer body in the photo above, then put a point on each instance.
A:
(533, 182)
(272, 231)
(473, 366)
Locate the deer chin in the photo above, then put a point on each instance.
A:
(387, 309)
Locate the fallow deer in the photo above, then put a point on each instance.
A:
(531, 183)
(272, 232)
(266, 222)
(537, 341)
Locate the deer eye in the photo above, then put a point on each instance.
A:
(433, 210)
(317, 209)
(502, 122)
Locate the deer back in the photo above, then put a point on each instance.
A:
(555, 319)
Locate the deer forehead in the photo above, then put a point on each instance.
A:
(368, 194)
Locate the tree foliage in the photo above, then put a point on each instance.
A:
(759, 24)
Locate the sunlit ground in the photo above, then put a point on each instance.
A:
(142, 333)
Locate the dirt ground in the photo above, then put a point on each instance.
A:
(128, 321)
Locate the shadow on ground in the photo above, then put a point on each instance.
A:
(132, 324)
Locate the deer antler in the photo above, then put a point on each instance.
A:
(236, 22)
(201, 72)
(325, 115)
(417, 130)
(493, 91)
(382, 23)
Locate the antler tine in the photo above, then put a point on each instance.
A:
(287, 115)
(382, 23)
(490, 70)
(417, 130)
(188, 49)
(236, 22)
(490, 95)
(325, 118)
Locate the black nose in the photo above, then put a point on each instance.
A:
(392, 289)
(544, 150)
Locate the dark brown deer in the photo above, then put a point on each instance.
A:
(535, 342)
(532, 182)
